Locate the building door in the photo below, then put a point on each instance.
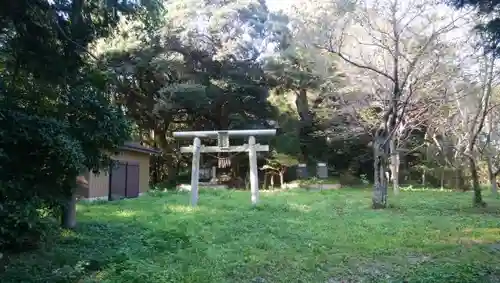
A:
(124, 180)
(132, 189)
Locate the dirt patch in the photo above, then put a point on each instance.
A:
(414, 259)
(494, 247)
(358, 280)
(367, 272)
(321, 187)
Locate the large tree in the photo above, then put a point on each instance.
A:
(301, 76)
(198, 67)
(56, 110)
(395, 47)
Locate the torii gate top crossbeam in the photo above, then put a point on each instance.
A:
(230, 133)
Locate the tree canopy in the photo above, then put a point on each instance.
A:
(489, 26)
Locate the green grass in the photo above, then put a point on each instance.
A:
(315, 180)
(295, 236)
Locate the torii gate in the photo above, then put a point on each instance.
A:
(224, 146)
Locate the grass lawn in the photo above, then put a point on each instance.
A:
(294, 236)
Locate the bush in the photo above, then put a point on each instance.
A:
(348, 179)
(22, 225)
(43, 150)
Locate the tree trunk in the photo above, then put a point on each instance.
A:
(282, 179)
(266, 177)
(302, 105)
(155, 170)
(379, 198)
(459, 179)
(442, 178)
(489, 158)
(492, 176)
(168, 169)
(478, 198)
(479, 120)
(427, 158)
(395, 163)
(68, 219)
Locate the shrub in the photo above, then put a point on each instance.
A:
(348, 179)
(57, 149)
(22, 224)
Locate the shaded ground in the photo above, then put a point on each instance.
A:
(329, 236)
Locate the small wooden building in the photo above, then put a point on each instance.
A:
(127, 179)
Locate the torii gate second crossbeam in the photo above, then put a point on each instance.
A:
(223, 146)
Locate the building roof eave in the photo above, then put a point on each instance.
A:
(140, 148)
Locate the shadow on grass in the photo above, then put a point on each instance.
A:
(92, 247)
(442, 202)
(312, 237)
(445, 209)
(134, 240)
(111, 236)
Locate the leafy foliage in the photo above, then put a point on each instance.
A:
(178, 75)
(489, 29)
(58, 119)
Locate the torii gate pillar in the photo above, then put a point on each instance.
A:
(223, 146)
